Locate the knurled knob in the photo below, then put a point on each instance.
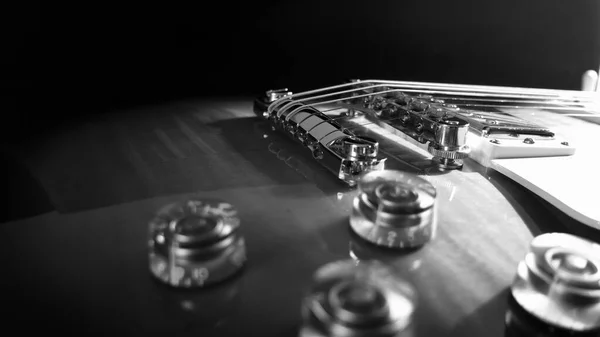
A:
(195, 243)
(559, 282)
(449, 154)
(394, 209)
(364, 299)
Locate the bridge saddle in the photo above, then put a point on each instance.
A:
(341, 151)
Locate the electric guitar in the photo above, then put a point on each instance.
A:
(228, 217)
(498, 127)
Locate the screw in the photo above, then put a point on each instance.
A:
(495, 141)
(565, 143)
(366, 102)
(528, 141)
(318, 153)
(273, 95)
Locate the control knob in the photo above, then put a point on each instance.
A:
(394, 209)
(195, 243)
(364, 299)
(558, 282)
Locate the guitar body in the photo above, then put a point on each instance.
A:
(83, 269)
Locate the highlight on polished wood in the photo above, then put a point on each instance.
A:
(369, 207)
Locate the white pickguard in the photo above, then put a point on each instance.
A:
(485, 149)
(567, 182)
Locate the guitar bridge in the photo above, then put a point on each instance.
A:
(342, 152)
(423, 118)
(453, 122)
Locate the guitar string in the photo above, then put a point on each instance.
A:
(492, 100)
(370, 122)
(559, 106)
(484, 96)
(297, 109)
(471, 105)
(520, 92)
(467, 87)
(468, 90)
(290, 102)
(565, 101)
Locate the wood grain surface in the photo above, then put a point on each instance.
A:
(82, 269)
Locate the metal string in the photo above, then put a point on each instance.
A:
(567, 105)
(452, 89)
(487, 91)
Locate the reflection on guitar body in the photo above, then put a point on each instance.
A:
(436, 211)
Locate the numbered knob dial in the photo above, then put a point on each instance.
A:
(394, 209)
(365, 299)
(196, 243)
(559, 282)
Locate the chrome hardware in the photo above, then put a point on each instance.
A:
(364, 299)
(528, 141)
(495, 141)
(394, 209)
(195, 243)
(436, 115)
(343, 153)
(318, 153)
(425, 119)
(449, 147)
(564, 143)
(360, 148)
(559, 282)
(273, 95)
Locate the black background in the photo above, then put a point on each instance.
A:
(67, 60)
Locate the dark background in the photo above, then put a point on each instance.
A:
(61, 62)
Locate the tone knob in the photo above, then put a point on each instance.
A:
(364, 299)
(559, 282)
(196, 243)
(394, 209)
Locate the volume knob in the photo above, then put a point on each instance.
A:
(394, 209)
(558, 282)
(195, 243)
(367, 299)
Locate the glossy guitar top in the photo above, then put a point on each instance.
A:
(83, 269)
